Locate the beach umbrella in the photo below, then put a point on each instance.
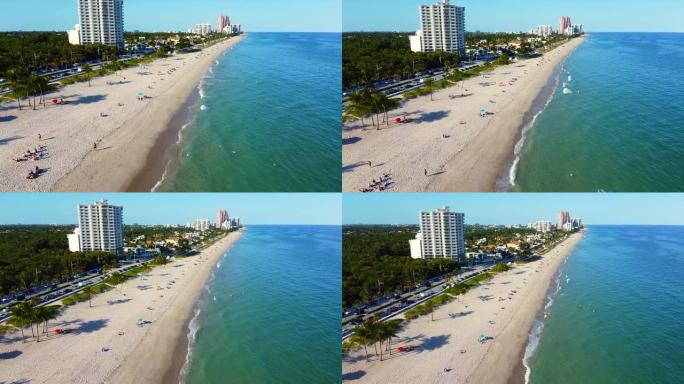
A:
(398, 120)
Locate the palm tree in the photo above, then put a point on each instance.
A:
(429, 84)
(88, 291)
(23, 314)
(359, 104)
(88, 70)
(16, 80)
(362, 336)
(44, 314)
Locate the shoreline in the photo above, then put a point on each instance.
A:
(168, 366)
(167, 149)
(447, 348)
(109, 134)
(513, 133)
(140, 175)
(106, 343)
(506, 180)
(507, 355)
(446, 146)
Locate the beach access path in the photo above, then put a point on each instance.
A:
(123, 113)
(451, 341)
(447, 138)
(106, 344)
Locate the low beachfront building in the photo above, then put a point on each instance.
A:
(75, 35)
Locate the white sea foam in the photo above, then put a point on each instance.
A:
(533, 343)
(203, 107)
(200, 89)
(193, 327)
(567, 91)
(512, 173)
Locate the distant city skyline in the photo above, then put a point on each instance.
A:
(522, 15)
(516, 208)
(175, 208)
(178, 15)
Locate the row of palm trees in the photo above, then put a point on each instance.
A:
(376, 334)
(23, 83)
(27, 314)
(370, 102)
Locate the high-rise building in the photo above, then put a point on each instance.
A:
(543, 30)
(223, 22)
(221, 218)
(100, 228)
(564, 23)
(203, 29)
(442, 28)
(563, 217)
(201, 225)
(441, 235)
(101, 22)
(541, 226)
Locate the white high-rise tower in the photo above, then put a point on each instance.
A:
(101, 22)
(100, 228)
(441, 235)
(442, 28)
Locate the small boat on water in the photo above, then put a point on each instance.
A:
(569, 78)
(567, 91)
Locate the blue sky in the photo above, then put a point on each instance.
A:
(521, 15)
(516, 208)
(175, 208)
(164, 15)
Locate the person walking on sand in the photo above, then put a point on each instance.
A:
(94, 145)
(40, 137)
(425, 171)
(369, 164)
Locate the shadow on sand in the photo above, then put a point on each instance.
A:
(4, 119)
(8, 139)
(89, 99)
(353, 375)
(10, 355)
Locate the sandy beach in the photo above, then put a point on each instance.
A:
(109, 113)
(446, 137)
(451, 341)
(106, 344)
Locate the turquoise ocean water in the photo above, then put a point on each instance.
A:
(622, 127)
(268, 120)
(617, 310)
(271, 312)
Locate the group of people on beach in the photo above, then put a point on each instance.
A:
(381, 184)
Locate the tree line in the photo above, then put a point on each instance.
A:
(377, 262)
(34, 255)
(371, 57)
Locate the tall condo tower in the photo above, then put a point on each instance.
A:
(563, 24)
(442, 28)
(100, 227)
(101, 22)
(221, 217)
(223, 22)
(563, 217)
(441, 235)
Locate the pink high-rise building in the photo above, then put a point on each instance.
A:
(223, 22)
(564, 24)
(221, 217)
(563, 217)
